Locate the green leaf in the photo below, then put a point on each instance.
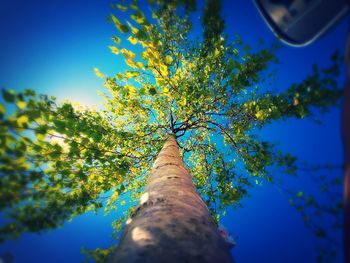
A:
(2, 111)
(152, 91)
(121, 27)
(60, 125)
(116, 39)
(122, 7)
(142, 91)
(8, 95)
(139, 18)
(141, 35)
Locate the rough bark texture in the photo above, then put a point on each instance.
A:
(171, 223)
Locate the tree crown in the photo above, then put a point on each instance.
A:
(58, 161)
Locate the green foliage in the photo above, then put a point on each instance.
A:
(59, 160)
(213, 24)
(98, 255)
(322, 214)
(56, 162)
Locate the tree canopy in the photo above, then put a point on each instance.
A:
(58, 160)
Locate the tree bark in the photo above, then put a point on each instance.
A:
(171, 223)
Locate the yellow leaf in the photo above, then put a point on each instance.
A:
(98, 73)
(132, 40)
(178, 73)
(22, 120)
(151, 63)
(41, 137)
(206, 70)
(163, 70)
(216, 52)
(140, 20)
(183, 102)
(100, 179)
(260, 115)
(131, 89)
(166, 92)
(155, 54)
(21, 104)
(115, 195)
(139, 65)
(127, 54)
(130, 63)
(114, 50)
(145, 54)
(131, 74)
(168, 59)
(191, 66)
(134, 30)
(144, 44)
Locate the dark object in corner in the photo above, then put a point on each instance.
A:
(300, 22)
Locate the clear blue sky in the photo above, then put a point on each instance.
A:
(52, 46)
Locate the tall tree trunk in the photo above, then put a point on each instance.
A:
(171, 223)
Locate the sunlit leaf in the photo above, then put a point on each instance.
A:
(98, 73)
(132, 40)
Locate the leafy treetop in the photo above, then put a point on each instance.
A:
(58, 161)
